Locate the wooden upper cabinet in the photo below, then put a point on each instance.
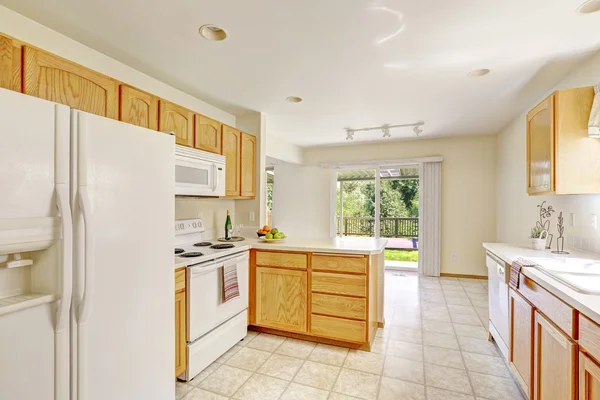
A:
(555, 362)
(561, 158)
(281, 299)
(248, 165)
(53, 78)
(207, 134)
(138, 108)
(10, 63)
(520, 352)
(232, 142)
(177, 119)
(540, 148)
(589, 378)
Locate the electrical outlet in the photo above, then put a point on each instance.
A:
(251, 217)
(571, 219)
(594, 221)
(453, 256)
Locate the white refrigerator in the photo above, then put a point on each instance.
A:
(86, 263)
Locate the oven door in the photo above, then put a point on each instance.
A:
(205, 307)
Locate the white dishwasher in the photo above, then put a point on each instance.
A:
(498, 278)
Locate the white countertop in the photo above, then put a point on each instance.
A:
(347, 245)
(587, 304)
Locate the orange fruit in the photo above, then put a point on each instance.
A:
(266, 228)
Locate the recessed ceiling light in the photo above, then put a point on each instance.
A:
(212, 32)
(478, 72)
(293, 99)
(589, 6)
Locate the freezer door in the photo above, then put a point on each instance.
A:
(35, 217)
(123, 206)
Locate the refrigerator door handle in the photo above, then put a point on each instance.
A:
(88, 267)
(64, 208)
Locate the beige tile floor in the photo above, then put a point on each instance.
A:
(434, 347)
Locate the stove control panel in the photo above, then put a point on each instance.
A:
(184, 226)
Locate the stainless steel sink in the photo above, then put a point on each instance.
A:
(580, 274)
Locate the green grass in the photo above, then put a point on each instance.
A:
(402, 255)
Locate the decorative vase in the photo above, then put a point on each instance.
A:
(540, 243)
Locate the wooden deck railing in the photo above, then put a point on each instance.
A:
(390, 227)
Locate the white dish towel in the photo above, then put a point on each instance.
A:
(594, 124)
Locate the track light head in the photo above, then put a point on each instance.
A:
(417, 130)
(386, 131)
(349, 134)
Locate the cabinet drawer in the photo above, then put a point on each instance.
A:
(352, 285)
(286, 260)
(589, 336)
(558, 312)
(337, 328)
(180, 279)
(346, 307)
(339, 263)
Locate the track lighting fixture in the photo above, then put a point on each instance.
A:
(417, 130)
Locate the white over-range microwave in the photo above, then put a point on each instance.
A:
(199, 173)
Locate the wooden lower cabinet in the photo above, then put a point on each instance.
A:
(589, 378)
(292, 298)
(281, 299)
(180, 323)
(520, 354)
(555, 362)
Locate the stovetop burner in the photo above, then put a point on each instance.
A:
(179, 251)
(191, 254)
(222, 246)
(203, 244)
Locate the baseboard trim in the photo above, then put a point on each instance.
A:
(447, 275)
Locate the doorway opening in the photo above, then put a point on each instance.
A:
(382, 203)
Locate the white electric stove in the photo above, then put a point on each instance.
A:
(213, 325)
(191, 248)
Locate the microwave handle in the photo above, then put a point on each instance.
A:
(215, 177)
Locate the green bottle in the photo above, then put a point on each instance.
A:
(228, 227)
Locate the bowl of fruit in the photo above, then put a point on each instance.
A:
(267, 234)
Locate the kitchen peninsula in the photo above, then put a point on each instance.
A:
(326, 290)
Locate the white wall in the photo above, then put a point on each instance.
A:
(301, 200)
(283, 150)
(516, 212)
(468, 190)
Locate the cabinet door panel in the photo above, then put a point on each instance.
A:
(248, 167)
(281, 299)
(10, 63)
(540, 148)
(180, 331)
(174, 118)
(554, 365)
(53, 78)
(208, 134)
(138, 108)
(231, 143)
(521, 339)
(589, 378)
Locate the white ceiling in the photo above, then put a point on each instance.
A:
(326, 52)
